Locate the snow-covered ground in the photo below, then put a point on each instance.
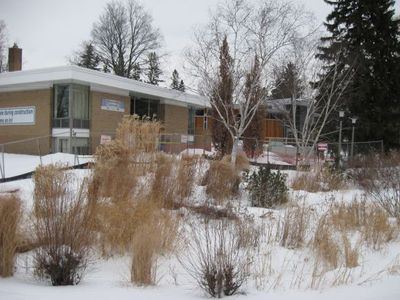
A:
(377, 277)
(17, 164)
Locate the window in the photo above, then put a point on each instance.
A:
(61, 105)
(71, 104)
(192, 113)
(146, 107)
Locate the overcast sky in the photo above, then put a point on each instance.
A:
(50, 30)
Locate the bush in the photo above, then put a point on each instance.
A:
(221, 180)
(267, 189)
(215, 258)
(380, 178)
(61, 225)
(10, 214)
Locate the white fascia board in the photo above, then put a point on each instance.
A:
(97, 79)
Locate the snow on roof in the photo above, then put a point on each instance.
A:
(19, 80)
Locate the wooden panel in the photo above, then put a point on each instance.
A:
(273, 128)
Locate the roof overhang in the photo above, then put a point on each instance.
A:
(45, 78)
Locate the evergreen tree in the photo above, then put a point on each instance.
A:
(254, 92)
(182, 87)
(87, 57)
(223, 94)
(364, 36)
(137, 72)
(287, 83)
(175, 80)
(153, 70)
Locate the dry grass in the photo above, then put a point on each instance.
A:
(292, 233)
(379, 176)
(351, 254)
(242, 162)
(326, 248)
(131, 154)
(158, 235)
(370, 220)
(321, 180)
(61, 223)
(221, 181)
(10, 215)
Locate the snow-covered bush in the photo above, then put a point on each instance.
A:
(267, 189)
(62, 226)
(10, 215)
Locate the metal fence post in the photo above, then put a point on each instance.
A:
(3, 169)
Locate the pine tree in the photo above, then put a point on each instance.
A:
(88, 57)
(182, 87)
(287, 83)
(137, 72)
(364, 36)
(153, 70)
(223, 94)
(175, 80)
(254, 92)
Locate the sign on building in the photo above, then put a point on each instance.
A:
(112, 105)
(105, 139)
(24, 115)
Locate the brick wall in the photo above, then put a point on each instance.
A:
(175, 119)
(42, 100)
(104, 121)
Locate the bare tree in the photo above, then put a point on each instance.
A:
(124, 35)
(263, 29)
(320, 99)
(3, 46)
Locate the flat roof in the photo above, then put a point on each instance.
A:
(46, 77)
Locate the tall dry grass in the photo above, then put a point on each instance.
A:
(322, 179)
(10, 216)
(295, 225)
(158, 235)
(221, 181)
(61, 224)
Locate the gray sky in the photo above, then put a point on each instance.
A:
(50, 30)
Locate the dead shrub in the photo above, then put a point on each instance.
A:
(221, 181)
(214, 259)
(379, 176)
(156, 236)
(323, 179)
(61, 226)
(294, 227)
(10, 215)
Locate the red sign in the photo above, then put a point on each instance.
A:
(322, 147)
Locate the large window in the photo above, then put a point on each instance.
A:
(192, 113)
(71, 106)
(146, 107)
(61, 99)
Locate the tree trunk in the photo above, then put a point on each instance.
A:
(235, 147)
